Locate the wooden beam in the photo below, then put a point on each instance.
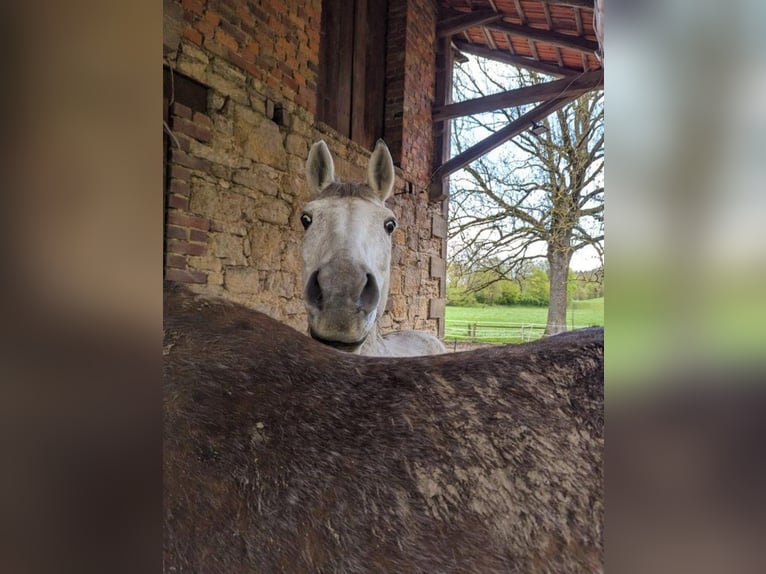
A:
(456, 24)
(587, 4)
(519, 61)
(520, 12)
(548, 19)
(499, 137)
(575, 86)
(443, 96)
(554, 38)
(578, 21)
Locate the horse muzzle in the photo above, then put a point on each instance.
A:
(342, 305)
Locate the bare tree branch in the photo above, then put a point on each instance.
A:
(538, 196)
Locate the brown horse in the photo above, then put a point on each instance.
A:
(285, 455)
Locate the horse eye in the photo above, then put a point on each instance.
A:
(305, 220)
(390, 225)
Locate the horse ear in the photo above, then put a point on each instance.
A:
(380, 172)
(320, 170)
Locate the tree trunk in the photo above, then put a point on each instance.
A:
(558, 260)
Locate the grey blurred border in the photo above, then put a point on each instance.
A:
(686, 273)
(80, 359)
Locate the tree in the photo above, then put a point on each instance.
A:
(540, 195)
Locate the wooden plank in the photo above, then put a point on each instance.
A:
(559, 59)
(329, 69)
(499, 137)
(554, 38)
(587, 4)
(520, 12)
(345, 57)
(456, 24)
(358, 98)
(578, 21)
(518, 61)
(508, 41)
(375, 78)
(575, 86)
(489, 38)
(533, 49)
(548, 19)
(367, 75)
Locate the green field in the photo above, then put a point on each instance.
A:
(515, 323)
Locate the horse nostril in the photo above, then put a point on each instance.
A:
(368, 299)
(313, 294)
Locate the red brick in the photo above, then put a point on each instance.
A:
(185, 276)
(198, 132)
(175, 260)
(229, 13)
(178, 202)
(176, 217)
(186, 248)
(175, 232)
(182, 111)
(207, 29)
(195, 6)
(180, 157)
(212, 17)
(217, 48)
(244, 14)
(202, 120)
(237, 60)
(290, 83)
(178, 172)
(260, 14)
(226, 40)
(251, 51)
(198, 235)
(197, 222)
(234, 32)
(193, 36)
(184, 141)
(179, 187)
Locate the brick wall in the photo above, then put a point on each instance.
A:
(235, 169)
(274, 42)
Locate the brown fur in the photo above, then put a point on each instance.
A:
(284, 455)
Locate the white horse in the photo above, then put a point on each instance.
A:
(347, 259)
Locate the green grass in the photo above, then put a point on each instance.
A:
(490, 320)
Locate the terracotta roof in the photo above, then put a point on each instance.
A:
(548, 35)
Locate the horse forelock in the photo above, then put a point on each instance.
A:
(349, 189)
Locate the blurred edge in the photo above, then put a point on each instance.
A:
(686, 268)
(82, 218)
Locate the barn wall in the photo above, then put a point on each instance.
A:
(235, 168)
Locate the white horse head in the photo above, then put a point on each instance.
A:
(347, 259)
(347, 248)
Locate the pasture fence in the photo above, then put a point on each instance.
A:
(479, 332)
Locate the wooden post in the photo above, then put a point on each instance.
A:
(441, 129)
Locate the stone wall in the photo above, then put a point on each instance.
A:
(235, 169)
